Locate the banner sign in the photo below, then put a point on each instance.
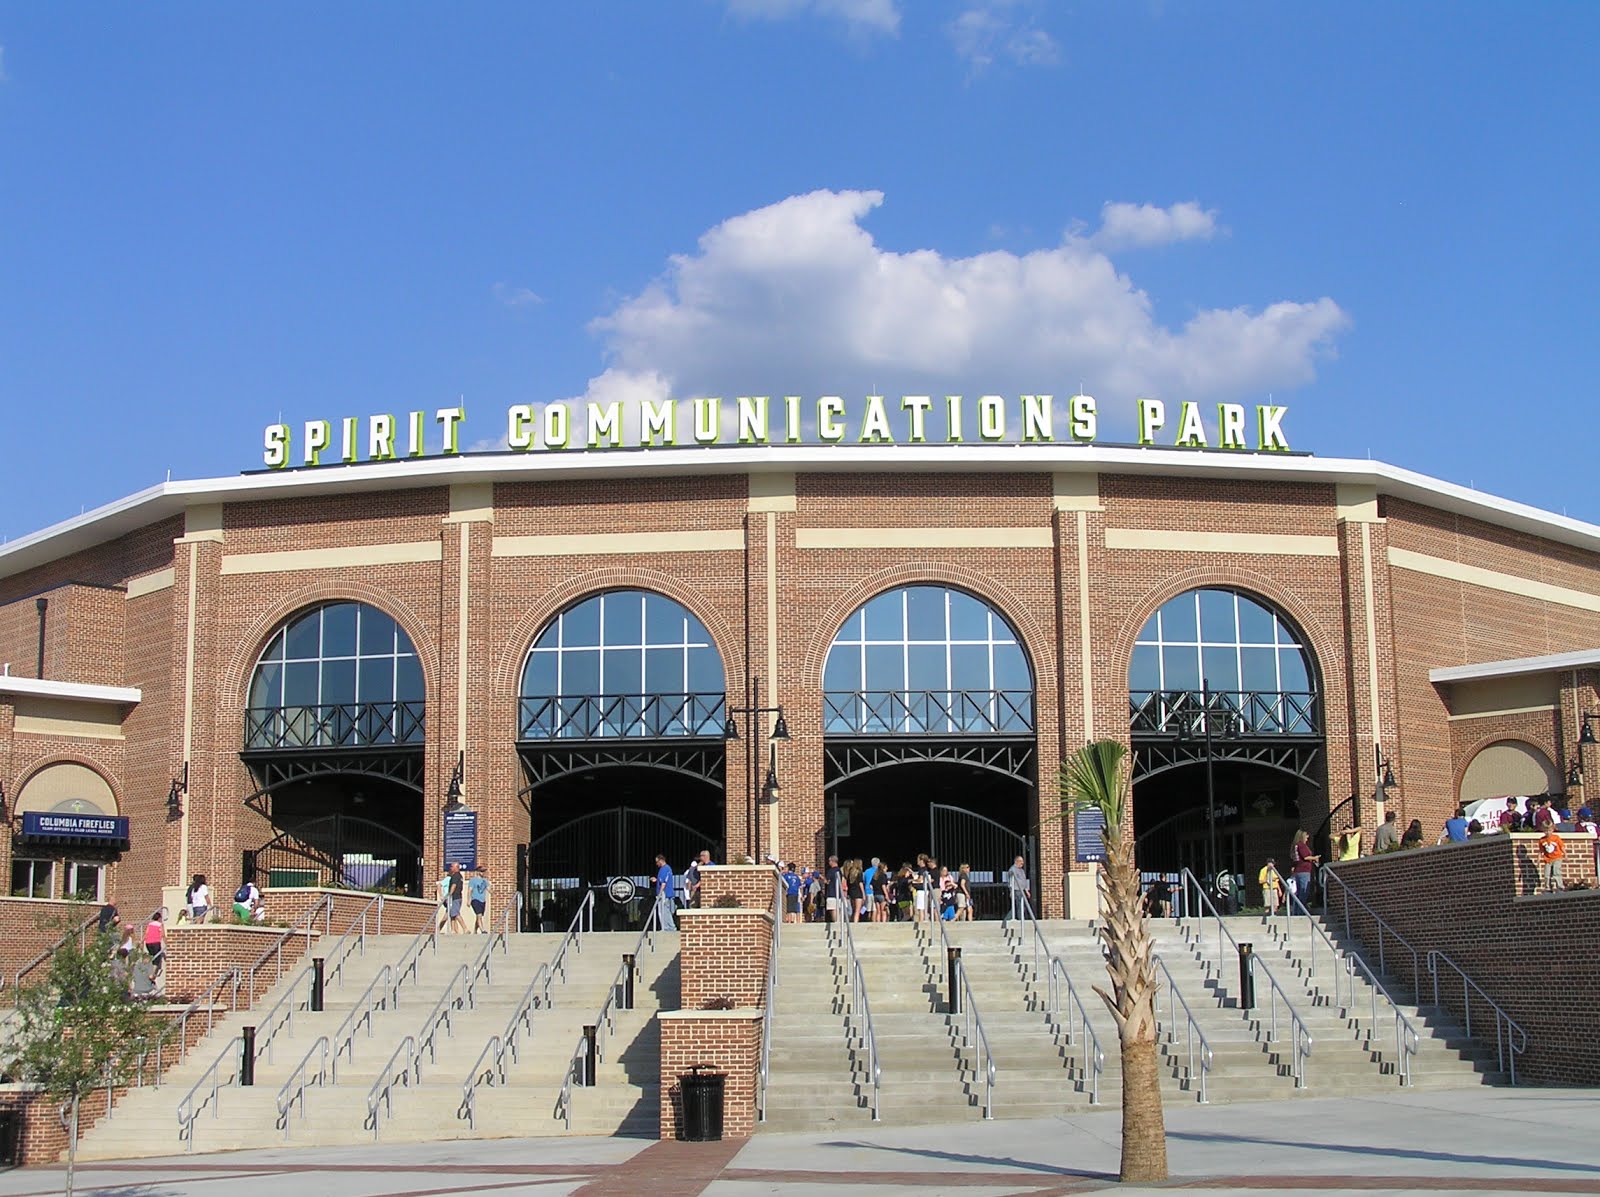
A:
(767, 420)
(461, 839)
(1088, 836)
(104, 828)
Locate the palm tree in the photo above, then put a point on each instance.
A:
(1096, 778)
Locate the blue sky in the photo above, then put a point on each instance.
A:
(1379, 214)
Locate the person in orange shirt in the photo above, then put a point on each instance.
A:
(1551, 851)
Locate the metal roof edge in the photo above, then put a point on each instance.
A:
(32, 687)
(1515, 666)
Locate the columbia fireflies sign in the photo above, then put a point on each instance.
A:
(763, 420)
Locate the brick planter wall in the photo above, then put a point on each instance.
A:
(401, 916)
(729, 1041)
(197, 955)
(30, 926)
(723, 954)
(42, 1139)
(1534, 955)
(749, 885)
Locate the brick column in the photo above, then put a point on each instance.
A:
(730, 1042)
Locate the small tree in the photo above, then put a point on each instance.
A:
(78, 1030)
(1096, 778)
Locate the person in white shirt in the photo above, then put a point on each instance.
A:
(199, 899)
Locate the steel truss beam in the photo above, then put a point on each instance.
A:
(703, 761)
(1010, 757)
(1299, 758)
(403, 766)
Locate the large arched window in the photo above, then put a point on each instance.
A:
(336, 676)
(626, 663)
(927, 660)
(1228, 652)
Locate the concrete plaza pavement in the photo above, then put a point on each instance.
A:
(1462, 1141)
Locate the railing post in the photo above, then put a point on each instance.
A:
(627, 981)
(318, 982)
(1247, 977)
(590, 1055)
(247, 1058)
(953, 978)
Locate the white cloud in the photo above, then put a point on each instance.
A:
(798, 298)
(513, 296)
(988, 32)
(1128, 226)
(861, 16)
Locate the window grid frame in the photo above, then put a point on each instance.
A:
(397, 654)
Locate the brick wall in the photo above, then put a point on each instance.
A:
(31, 926)
(750, 886)
(723, 955)
(401, 916)
(730, 1042)
(1533, 955)
(198, 955)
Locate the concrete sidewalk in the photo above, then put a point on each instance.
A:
(1477, 1141)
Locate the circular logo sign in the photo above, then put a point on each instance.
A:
(621, 890)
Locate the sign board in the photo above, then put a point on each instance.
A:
(1088, 836)
(101, 828)
(461, 838)
(621, 890)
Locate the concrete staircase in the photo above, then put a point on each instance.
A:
(625, 1100)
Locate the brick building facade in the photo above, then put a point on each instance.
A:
(1404, 593)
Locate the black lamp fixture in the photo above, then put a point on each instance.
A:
(176, 791)
(458, 776)
(1574, 772)
(3, 816)
(1383, 772)
(1586, 733)
(759, 793)
(769, 789)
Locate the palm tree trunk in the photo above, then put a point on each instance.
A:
(1144, 1132)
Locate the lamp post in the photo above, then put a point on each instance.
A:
(1213, 854)
(757, 791)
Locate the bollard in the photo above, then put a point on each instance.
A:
(627, 980)
(247, 1060)
(953, 972)
(1247, 977)
(590, 1054)
(317, 982)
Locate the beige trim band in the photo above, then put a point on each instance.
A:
(773, 492)
(1507, 711)
(585, 544)
(1268, 544)
(923, 538)
(1489, 579)
(80, 720)
(421, 551)
(471, 503)
(152, 583)
(1075, 492)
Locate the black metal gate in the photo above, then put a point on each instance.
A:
(959, 836)
(338, 851)
(621, 841)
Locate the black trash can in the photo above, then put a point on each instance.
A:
(10, 1137)
(702, 1092)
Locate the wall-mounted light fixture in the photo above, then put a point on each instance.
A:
(176, 793)
(1574, 772)
(458, 777)
(1384, 773)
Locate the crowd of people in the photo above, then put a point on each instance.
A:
(137, 950)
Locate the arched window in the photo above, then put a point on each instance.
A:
(339, 675)
(927, 660)
(1227, 649)
(626, 663)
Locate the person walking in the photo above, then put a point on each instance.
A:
(791, 894)
(1305, 864)
(443, 918)
(878, 891)
(664, 894)
(155, 935)
(457, 894)
(478, 895)
(869, 904)
(964, 893)
(198, 899)
(1019, 886)
(1271, 886)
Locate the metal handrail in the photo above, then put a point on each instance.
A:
(768, 1013)
(281, 1013)
(411, 1047)
(323, 907)
(1302, 1033)
(1507, 1032)
(42, 957)
(1176, 998)
(972, 1030)
(860, 1018)
(1407, 1042)
(406, 966)
(188, 1111)
(558, 962)
(293, 1092)
(603, 1024)
(1040, 947)
(491, 1061)
(345, 1035)
(1348, 894)
(334, 958)
(179, 1026)
(1314, 932)
(1095, 1062)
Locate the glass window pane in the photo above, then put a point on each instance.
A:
(1180, 668)
(925, 613)
(377, 633)
(339, 630)
(663, 620)
(851, 631)
(1260, 669)
(376, 680)
(1010, 668)
(886, 667)
(843, 670)
(1151, 630)
(539, 677)
(1217, 622)
(1255, 622)
(266, 687)
(1144, 673)
(624, 618)
(885, 619)
(926, 667)
(1292, 669)
(696, 632)
(302, 636)
(408, 680)
(1221, 667)
(301, 683)
(969, 667)
(664, 671)
(1178, 622)
(969, 618)
(338, 682)
(274, 647)
(580, 626)
(622, 671)
(705, 671)
(580, 671)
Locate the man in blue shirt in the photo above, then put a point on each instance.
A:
(867, 875)
(1455, 829)
(791, 894)
(478, 894)
(664, 894)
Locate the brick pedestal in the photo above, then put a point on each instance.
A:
(727, 1040)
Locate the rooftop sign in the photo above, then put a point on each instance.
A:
(763, 420)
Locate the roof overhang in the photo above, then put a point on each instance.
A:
(171, 499)
(31, 687)
(1586, 658)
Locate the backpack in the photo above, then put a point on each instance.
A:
(242, 894)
